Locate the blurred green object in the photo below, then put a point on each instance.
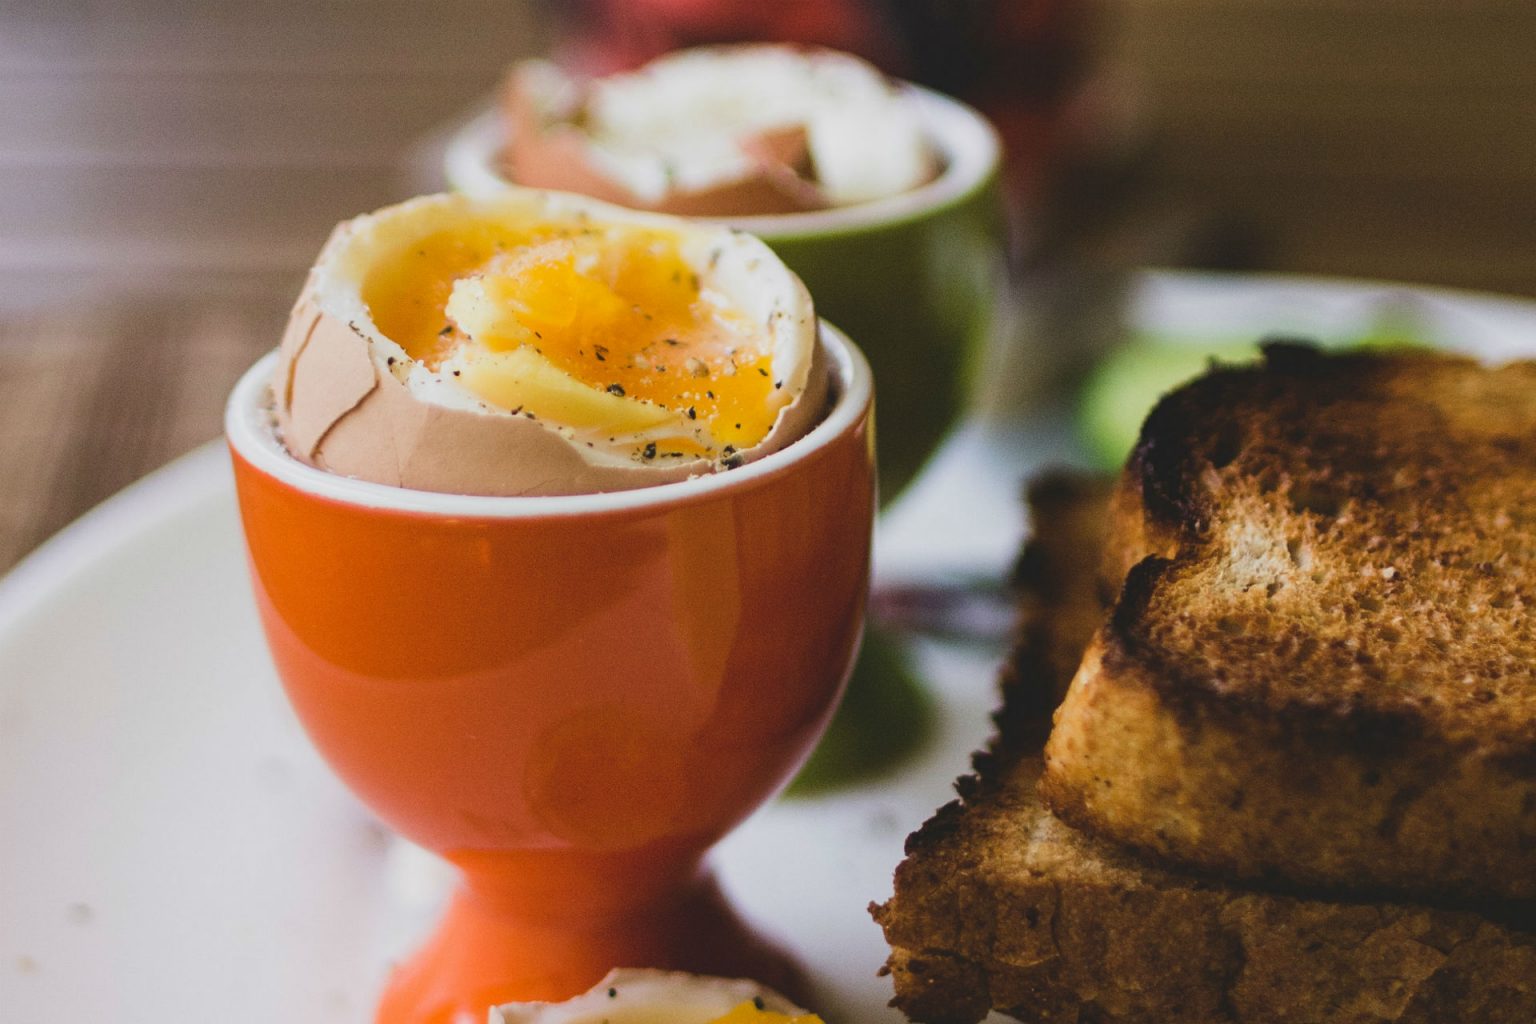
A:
(886, 717)
(1125, 387)
(1397, 324)
(919, 295)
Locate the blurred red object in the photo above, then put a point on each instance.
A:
(602, 36)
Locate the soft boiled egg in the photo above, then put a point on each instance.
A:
(639, 996)
(543, 343)
(722, 131)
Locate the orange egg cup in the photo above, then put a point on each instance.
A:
(569, 698)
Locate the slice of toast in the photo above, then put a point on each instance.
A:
(1321, 671)
(1061, 603)
(1000, 905)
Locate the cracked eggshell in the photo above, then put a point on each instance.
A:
(350, 401)
(648, 995)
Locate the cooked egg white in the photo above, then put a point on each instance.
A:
(682, 125)
(635, 996)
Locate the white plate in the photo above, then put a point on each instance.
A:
(171, 850)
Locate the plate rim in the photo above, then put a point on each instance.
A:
(172, 489)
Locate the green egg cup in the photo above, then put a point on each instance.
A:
(920, 296)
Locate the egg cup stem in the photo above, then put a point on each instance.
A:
(484, 952)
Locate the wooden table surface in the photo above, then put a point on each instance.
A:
(95, 397)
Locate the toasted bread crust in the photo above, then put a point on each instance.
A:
(1281, 802)
(1061, 601)
(1319, 672)
(999, 905)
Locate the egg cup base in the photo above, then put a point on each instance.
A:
(480, 955)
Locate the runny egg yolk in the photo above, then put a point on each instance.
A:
(602, 329)
(752, 1012)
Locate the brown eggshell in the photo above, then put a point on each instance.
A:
(343, 403)
(556, 154)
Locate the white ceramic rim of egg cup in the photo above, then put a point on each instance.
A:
(249, 428)
(967, 142)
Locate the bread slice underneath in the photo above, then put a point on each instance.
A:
(1001, 906)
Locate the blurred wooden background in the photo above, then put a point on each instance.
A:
(1374, 138)
(178, 147)
(168, 168)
